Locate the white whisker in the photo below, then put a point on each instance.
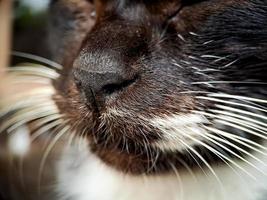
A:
(231, 82)
(241, 111)
(26, 115)
(232, 125)
(247, 119)
(19, 105)
(211, 56)
(210, 137)
(241, 140)
(48, 150)
(229, 96)
(231, 103)
(241, 128)
(229, 64)
(39, 123)
(34, 71)
(241, 122)
(46, 128)
(195, 160)
(185, 165)
(223, 156)
(246, 124)
(37, 58)
(203, 160)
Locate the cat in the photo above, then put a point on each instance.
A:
(162, 99)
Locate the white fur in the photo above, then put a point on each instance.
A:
(82, 176)
(177, 128)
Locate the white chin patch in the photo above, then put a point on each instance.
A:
(179, 131)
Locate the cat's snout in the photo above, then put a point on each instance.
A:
(99, 85)
(109, 61)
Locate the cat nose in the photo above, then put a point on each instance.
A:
(98, 86)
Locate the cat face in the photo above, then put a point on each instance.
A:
(150, 83)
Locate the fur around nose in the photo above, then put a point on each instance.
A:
(105, 64)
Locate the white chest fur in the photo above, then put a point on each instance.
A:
(82, 176)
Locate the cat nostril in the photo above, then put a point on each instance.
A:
(115, 87)
(98, 86)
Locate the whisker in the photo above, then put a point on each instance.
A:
(26, 97)
(229, 64)
(32, 103)
(205, 135)
(196, 92)
(72, 138)
(241, 140)
(82, 137)
(233, 125)
(180, 182)
(48, 150)
(19, 105)
(37, 133)
(35, 71)
(203, 160)
(190, 171)
(195, 160)
(27, 115)
(247, 119)
(231, 82)
(19, 123)
(29, 79)
(246, 124)
(223, 156)
(237, 97)
(32, 94)
(211, 137)
(241, 122)
(240, 128)
(41, 122)
(223, 160)
(46, 128)
(37, 58)
(231, 103)
(241, 111)
(212, 56)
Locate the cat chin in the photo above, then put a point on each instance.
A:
(83, 176)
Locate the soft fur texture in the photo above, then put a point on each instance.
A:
(168, 98)
(147, 60)
(165, 86)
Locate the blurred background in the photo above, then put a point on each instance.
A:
(30, 26)
(28, 34)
